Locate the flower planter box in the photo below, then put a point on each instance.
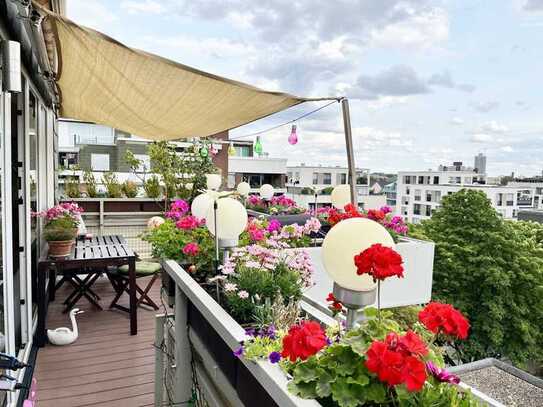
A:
(299, 218)
(214, 335)
(414, 288)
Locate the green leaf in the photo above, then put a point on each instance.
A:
(324, 383)
(371, 312)
(375, 392)
(347, 395)
(307, 372)
(303, 390)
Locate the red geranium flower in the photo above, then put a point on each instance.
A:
(379, 261)
(444, 318)
(413, 373)
(397, 360)
(376, 215)
(303, 340)
(334, 302)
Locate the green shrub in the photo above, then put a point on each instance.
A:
(112, 185)
(492, 270)
(71, 187)
(151, 187)
(90, 182)
(130, 189)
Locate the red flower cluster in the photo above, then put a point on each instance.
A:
(335, 304)
(444, 318)
(379, 261)
(303, 341)
(376, 214)
(398, 359)
(350, 211)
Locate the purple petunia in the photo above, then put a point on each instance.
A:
(441, 374)
(239, 351)
(274, 357)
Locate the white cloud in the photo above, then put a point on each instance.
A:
(507, 149)
(485, 107)
(457, 121)
(494, 127)
(93, 14)
(145, 6)
(481, 138)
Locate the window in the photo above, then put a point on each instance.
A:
(436, 179)
(242, 151)
(417, 194)
(145, 162)
(407, 179)
(416, 209)
(428, 210)
(421, 179)
(327, 178)
(341, 179)
(315, 178)
(407, 190)
(100, 162)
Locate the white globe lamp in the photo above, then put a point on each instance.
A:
(266, 191)
(227, 221)
(341, 196)
(243, 189)
(345, 240)
(200, 205)
(213, 181)
(155, 222)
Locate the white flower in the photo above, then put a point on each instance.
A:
(243, 294)
(216, 278)
(228, 287)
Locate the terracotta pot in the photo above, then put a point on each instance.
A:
(60, 248)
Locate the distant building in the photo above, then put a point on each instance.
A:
(480, 163)
(419, 193)
(534, 215)
(533, 182)
(304, 181)
(390, 193)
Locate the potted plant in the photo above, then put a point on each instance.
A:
(60, 229)
(280, 208)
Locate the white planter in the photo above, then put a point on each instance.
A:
(414, 288)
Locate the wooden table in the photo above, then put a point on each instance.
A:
(98, 252)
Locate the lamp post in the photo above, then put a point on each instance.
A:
(243, 190)
(213, 181)
(345, 240)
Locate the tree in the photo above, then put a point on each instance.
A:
(491, 269)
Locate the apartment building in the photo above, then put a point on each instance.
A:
(99, 149)
(533, 182)
(390, 193)
(304, 181)
(419, 193)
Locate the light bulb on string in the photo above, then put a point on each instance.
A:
(258, 146)
(293, 138)
(231, 149)
(204, 152)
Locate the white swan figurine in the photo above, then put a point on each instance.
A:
(65, 336)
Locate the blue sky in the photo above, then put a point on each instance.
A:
(429, 81)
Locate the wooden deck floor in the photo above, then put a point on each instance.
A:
(105, 366)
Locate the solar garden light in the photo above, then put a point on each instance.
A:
(266, 192)
(345, 240)
(341, 196)
(243, 189)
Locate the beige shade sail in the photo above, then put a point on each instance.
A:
(103, 81)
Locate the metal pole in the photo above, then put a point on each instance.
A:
(350, 150)
(183, 353)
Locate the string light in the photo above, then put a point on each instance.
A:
(258, 146)
(231, 149)
(293, 138)
(204, 152)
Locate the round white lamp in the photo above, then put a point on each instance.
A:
(200, 205)
(243, 188)
(213, 181)
(345, 240)
(155, 222)
(341, 196)
(231, 220)
(266, 191)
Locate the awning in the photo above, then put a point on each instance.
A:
(103, 81)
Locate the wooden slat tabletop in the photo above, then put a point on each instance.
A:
(97, 248)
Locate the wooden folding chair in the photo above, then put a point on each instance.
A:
(119, 281)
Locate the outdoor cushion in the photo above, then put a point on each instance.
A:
(143, 268)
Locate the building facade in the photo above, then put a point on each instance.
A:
(419, 193)
(533, 182)
(479, 164)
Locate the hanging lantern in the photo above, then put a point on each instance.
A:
(293, 138)
(213, 151)
(204, 152)
(231, 149)
(258, 146)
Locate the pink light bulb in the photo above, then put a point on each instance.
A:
(293, 138)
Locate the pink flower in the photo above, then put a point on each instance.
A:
(188, 223)
(180, 205)
(243, 294)
(274, 226)
(312, 225)
(191, 249)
